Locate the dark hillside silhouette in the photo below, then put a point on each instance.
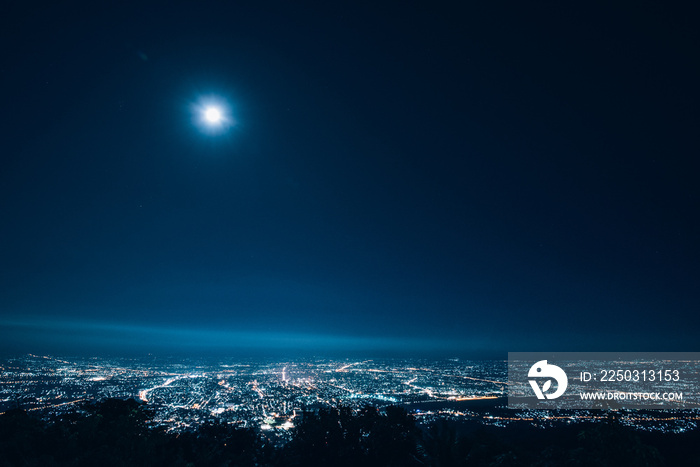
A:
(117, 433)
(339, 437)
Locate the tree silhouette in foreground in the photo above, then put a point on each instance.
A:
(117, 433)
(338, 437)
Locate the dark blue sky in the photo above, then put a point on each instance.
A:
(416, 178)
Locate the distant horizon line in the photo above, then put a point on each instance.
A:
(80, 337)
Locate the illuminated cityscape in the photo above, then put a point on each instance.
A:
(270, 396)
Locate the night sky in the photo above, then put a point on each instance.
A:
(462, 178)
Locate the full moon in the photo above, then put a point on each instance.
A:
(212, 114)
